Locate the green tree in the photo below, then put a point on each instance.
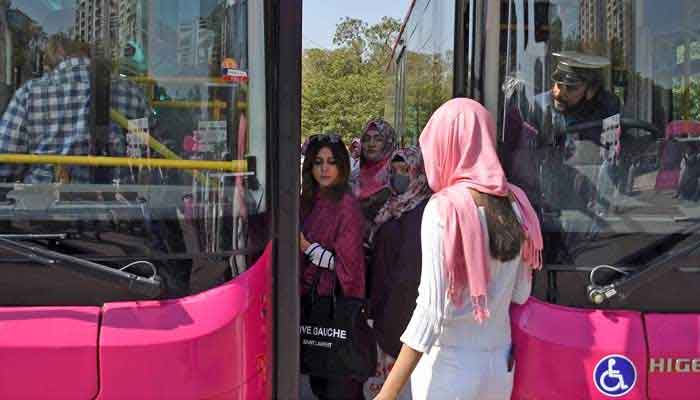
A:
(344, 87)
(349, 34)
(428, 85)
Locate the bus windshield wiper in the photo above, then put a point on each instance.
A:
(150, 287)
(622, 287)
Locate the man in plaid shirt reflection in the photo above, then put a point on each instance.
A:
(51, 115)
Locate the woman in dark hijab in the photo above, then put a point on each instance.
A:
(396, 261)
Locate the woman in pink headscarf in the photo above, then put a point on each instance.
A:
(370, 182)
(480, 241)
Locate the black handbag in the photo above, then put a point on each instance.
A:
(336, 340)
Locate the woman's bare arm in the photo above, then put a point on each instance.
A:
(400, 373)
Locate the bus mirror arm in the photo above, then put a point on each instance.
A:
(149, 287)
(623, 287)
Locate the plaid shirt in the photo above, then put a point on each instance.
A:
(51, 115)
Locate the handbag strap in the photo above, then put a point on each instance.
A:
(317, 280)
(314, 288)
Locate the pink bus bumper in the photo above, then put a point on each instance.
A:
(558, 350)
(214, 345)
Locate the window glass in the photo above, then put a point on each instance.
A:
(426, 66)
(135, 129)
(600, 123)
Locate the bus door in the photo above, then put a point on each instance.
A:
(599, 125)
(141, 187)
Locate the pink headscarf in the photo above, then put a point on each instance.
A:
(459, 151)
(371, 177)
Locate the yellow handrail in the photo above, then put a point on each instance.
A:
(217, 104)
(102, 161)
(177, 79)
(157, 146)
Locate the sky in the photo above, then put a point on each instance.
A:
(321, 16)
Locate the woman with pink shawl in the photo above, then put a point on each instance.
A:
(480, 241)
(370, 182)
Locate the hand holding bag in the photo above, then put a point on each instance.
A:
(336, 340)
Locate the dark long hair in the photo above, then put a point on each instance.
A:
(505, 233)
(309, 186)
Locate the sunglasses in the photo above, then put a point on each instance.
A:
(325, 137)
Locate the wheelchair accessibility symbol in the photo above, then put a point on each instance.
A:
(615, 375)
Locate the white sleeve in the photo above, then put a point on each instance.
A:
(427, 319)
(320, 257)
(523, 284)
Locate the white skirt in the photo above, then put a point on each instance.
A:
(453, 373)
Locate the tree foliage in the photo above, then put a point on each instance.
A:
(344, 87)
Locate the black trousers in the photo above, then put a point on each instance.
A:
(336, 388)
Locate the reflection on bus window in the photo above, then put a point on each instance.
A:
(136, 123)
(599, 121)
(50, 114)
(423, 71)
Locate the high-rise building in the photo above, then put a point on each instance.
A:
(132, 33)
(93, 20)
(128, 21)
(620, 29)
(592, 23)
(195, 42)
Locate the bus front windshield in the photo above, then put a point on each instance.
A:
(131, 130)
(600, 118)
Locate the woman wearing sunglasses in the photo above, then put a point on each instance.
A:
(331, 238)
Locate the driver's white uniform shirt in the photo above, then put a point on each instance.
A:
(462, 359)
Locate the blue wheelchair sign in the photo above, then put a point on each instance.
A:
(615, 375)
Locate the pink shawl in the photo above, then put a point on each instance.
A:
(459, 152)
(371, 177)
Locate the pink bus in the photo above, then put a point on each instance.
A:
(149, 224)
(614, 176)
(143, 195)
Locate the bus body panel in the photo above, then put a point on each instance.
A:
(48, 351)
(557, 349)
(628, 208)
(674, 349)
(209, 346)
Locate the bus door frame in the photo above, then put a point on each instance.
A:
(283, 54)
(469, 45)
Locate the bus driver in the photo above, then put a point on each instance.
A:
(577, 96)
